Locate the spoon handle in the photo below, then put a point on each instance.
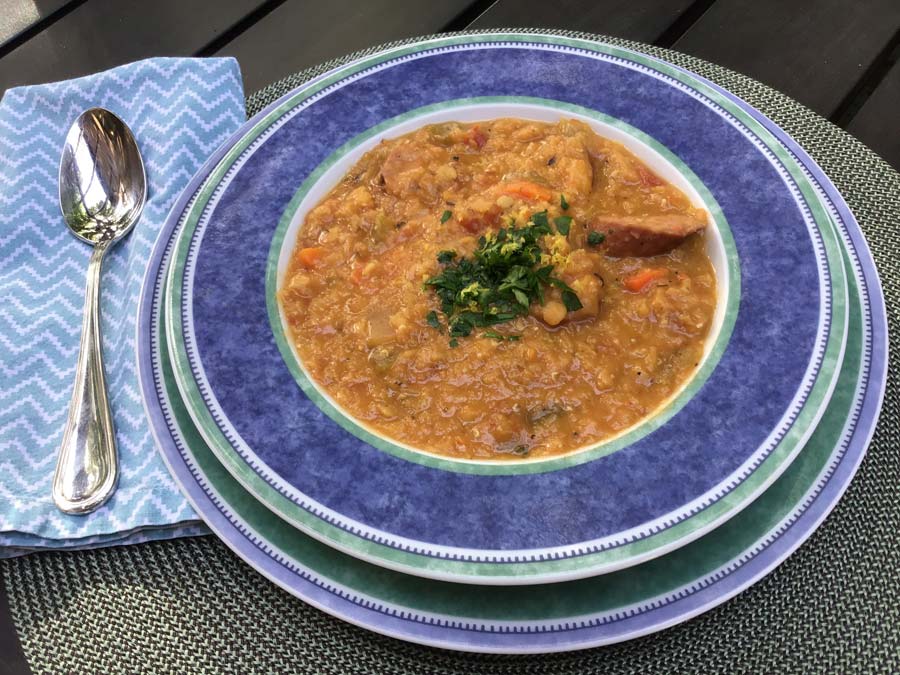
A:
(88, 466)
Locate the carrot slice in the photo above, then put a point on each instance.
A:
(308, 257)
(528, 190)
(356, 274)
(640, 280)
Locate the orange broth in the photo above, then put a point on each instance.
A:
(544, 383)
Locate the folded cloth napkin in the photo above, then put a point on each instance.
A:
(180, 110)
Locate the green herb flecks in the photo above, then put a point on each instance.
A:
(499, 282)
(562, 224)
(595, 238)
(432, 319)
(563, 203)
(445, 216)
(500, 337)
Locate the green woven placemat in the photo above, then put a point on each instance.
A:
(190, 606)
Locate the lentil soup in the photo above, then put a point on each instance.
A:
(501, 289)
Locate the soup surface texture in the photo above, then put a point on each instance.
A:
(500, 290)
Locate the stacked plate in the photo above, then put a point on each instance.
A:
(611, 542)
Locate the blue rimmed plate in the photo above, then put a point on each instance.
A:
(767, 378)
(563, 616)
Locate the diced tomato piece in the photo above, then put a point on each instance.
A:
(648, 178)
(478, 221)
(476, 138)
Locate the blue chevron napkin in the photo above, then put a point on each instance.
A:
(180, 110)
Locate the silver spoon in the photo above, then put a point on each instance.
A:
(102, 190)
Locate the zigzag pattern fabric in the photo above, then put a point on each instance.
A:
(180, 110)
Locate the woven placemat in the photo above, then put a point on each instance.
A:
(190, 606)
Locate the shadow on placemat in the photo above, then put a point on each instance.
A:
(190, 606)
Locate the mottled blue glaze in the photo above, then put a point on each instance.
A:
(706, 441)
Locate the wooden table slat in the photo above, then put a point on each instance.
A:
(877, 123)
(644, 20)
(814, 52)
(100, 34)
(298, 34)
(18, 16)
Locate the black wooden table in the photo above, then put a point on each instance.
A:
(840, 58)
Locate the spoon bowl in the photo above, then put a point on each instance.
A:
(102, 191)
(102, 182)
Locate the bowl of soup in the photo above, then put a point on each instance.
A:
(479, 326)
(502, 289)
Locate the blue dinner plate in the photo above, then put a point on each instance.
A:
(569, 615)
(769, 371)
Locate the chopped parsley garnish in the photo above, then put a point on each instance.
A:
(540, 219)
(562, 225)
(445, 256)
(445, 216)
(595, 238)
(570, 299)
(432, 319)
(500, 281)
(563, 203)
(454, 343)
